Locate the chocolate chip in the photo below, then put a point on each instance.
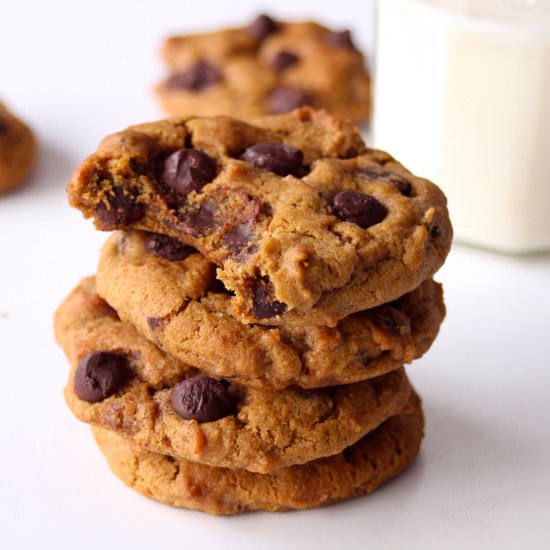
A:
(99, 375)
(402, 185)
(188, 170)
(203, 399)
(196, 78)
(122, 208)
(275, 157)
(263, 305)
(340, 39)
(285, 98)
(240, 224)
(398, 181)
(167, 247)
(435, 232)
(4, 126)
(262, 27)
(155, 323)
(283, 60)
(237, 238)
(196, 223)
(359, 208)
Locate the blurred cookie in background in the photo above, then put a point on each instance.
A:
(267, 67)
(17, 150)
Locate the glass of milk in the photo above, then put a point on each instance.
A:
(462, 97)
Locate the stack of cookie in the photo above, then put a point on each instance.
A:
(242, 344)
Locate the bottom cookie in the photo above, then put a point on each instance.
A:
(360, 469)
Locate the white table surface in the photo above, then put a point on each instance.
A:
(78, 71)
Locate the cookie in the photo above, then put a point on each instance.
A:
(359, 469)
(169, 293)
(268, 67)
(17, 150)
(305, 224)
(121, 381)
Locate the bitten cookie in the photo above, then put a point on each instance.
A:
(169, 293)
(305, 224)
(360, 469)
(268, 67)
(17, 150)
(121, 381)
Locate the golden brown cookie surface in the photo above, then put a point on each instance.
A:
(358, 470)
(266, 68)
(169, 293)
(17, 150)
(121, 381)
(305, 224)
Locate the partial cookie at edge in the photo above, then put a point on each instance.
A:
(17, 150)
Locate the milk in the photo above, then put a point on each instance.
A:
(462, 97)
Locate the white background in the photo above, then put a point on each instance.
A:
(77, 71)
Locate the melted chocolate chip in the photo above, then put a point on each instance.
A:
(121, 209)
(198, 222)
(240, 227)
(275, 157)
(263, 305)
(340, 39)
(283, 60)
(238, 238)
(359, 208)
(398, 181)
(99, 375)
(203, 399)
(196, 78)
(285, 98)
(167, 247)
(262, 27)
(188, 170)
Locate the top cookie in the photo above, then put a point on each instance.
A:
(17, 150)
(268, 67)
(306, 224)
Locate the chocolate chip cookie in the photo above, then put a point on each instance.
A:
(121, 381)
(267, 67)
(305, 223)
(17, 150)
(170, 294)
(359, 469)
